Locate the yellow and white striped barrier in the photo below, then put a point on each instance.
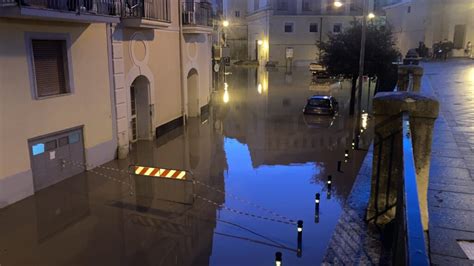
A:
(159, 172)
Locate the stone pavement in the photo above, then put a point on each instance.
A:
(451, 188)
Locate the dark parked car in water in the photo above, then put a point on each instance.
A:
(321, 105)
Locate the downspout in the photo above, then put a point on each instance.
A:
(112, 87)
(181, 67)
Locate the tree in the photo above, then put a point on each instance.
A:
(340, 54)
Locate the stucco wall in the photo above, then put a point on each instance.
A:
(301, 39)
(23, 118)
(430, 22)
(197, 55)
(153, 54)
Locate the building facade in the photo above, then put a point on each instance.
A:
(277, 29)
(81, 81)
(415, 21)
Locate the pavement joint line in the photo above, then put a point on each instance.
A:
(452, 229)
(451, 191)
(451, 256)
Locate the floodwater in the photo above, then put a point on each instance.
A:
(257, 162)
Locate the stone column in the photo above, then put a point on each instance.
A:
(404, 72)
(388, 151)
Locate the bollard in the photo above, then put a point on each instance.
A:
(300, 238)
(329, 186)
(278, 259)
(346, 156)
(317, 200)
(339, 163)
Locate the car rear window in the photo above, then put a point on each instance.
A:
(319, 102)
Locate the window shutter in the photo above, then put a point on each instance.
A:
(49, 65)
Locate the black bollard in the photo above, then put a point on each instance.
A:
(299, 250)
(278, 259)
(317, 200)
(339, 163)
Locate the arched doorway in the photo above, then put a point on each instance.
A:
(193, 93)
(140, 109)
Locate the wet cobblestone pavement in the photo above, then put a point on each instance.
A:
(451, 187)
(451, 190)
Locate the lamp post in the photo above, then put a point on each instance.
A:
(363, 38)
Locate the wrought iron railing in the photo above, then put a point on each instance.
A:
(197, 13)
(395, 135)
(159, 10)
(101, 7)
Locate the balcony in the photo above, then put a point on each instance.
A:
(197, 17)
(147, 13)
(88, 11)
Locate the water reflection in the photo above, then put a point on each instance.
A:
(254, 148)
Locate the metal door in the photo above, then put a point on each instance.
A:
(56, 157)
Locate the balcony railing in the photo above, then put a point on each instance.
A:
(197, 13)
(98, 7)
(394, 135)
(148, 9)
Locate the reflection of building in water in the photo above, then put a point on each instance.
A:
(270, 121)
(91, 220)
(175, 233)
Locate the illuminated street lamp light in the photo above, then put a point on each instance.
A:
(260, 42)
(371, 15)
(337, 3)
(225, 23)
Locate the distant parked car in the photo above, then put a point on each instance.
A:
(321, 105)
(318, 71)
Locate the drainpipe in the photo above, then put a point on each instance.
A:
(112, 87)
(181, 67)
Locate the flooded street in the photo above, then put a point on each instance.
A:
(257, 162)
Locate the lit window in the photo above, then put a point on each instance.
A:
(37, 149)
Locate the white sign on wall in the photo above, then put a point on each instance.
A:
(289, 52)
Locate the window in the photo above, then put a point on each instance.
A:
(337, 28)
(50, 67)
(282, 5)
(37, 149)
(313, 27)
(459, 36)
(306, 5)
(288, 27)
(74, 138)
(237, 14)
(409, 9)
(256, 4)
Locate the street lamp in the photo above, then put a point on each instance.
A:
(362, 44)
(225, 23)
(371, 15)
(337, 4)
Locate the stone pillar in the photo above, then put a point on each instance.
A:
(120, 93)
(404, 72)
(388, 147)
